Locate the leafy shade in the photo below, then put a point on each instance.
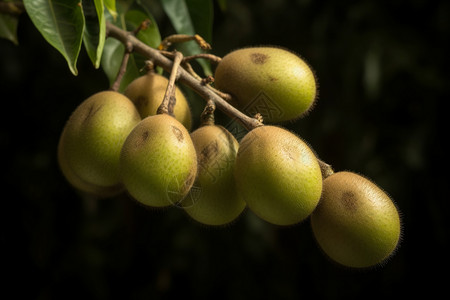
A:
(61, 23)
(8, 28)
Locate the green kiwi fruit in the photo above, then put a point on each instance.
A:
(158, 161)
(356, 223)
(278, 175)
(91, 141)
(271, 81)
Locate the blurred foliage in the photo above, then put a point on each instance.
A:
(382, 67)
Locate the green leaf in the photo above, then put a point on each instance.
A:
(202, 15)
(61, 23)
(95, 30)
(179, 13)
(111, 7)
(8, 28)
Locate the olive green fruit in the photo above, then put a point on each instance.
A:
(158, 161)
(78, 183)
(271, 81)
(213, 199)
(278, 175)
(91, 141)
(356, 223)
(147, 92)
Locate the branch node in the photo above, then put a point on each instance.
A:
(207, 80)
(259, 118)
(144, 25)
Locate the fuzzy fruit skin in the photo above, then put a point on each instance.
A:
(278, 175)
(274, 82)
(90, 145)
(214, 200)
(158, 162)
(356, 223)
(147, 93)
(78, 182)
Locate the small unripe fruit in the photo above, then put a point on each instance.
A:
(158, 162)
(90, 145)
(147, 92)
(278, 175)
(356, 224)
(213, 199)
(274, 82)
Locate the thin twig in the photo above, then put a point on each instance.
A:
(123, 67)
(211, 57)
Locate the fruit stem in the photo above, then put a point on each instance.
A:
(169, 101)
(326, 169)
(207, 116)
(184, 76)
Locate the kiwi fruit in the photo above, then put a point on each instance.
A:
(213, 199)
(356, 223)
(158, 161)
(278, 175)
(90, 144)
(271, 81)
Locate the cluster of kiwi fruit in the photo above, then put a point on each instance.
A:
(115, 142)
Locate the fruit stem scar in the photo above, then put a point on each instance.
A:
(325, 168)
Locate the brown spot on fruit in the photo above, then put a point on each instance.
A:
(141, 102)
(207, 153)
(350, 201)
(259, 58)
(178, 134)
(142, 139)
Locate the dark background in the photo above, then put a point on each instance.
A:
(383, 70)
